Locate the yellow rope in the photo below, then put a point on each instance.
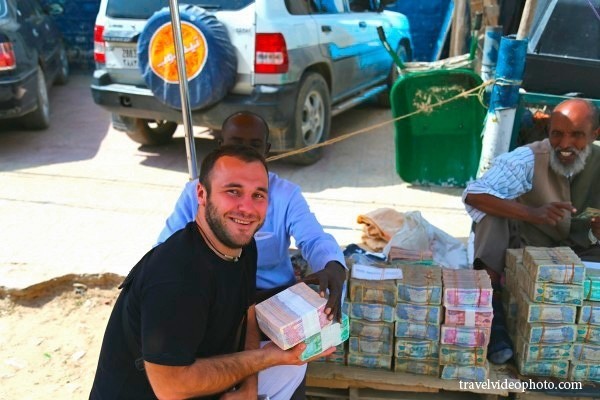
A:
(479, 89)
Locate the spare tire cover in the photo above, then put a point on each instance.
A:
(210, 59)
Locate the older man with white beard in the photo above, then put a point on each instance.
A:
(528, 197)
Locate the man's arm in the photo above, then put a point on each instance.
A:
(184, 212)
(320, 250)
(549, 214)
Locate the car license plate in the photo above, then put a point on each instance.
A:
(121, 57)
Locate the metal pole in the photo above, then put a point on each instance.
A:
(190, 146)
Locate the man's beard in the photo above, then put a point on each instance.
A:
(571, 169)
(217, 226)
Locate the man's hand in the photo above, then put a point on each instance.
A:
(551, 213)
(292, 355)
(331, 277)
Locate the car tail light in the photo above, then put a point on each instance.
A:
(271, 55)
(99, 45)
(7, 57)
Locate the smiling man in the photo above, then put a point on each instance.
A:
(529, 195)
(184, 324)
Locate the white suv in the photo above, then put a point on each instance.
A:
(294, 62)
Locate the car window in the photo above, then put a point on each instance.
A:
(143, 9)
(327, 6)
(573, 30)
(362, 5)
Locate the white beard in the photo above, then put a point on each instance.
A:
(572, 169)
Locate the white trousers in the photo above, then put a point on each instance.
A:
(280, 382)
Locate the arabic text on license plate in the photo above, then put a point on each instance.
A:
(129, 57)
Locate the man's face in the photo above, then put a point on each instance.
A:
(571, 135)
(237, 204)
(247, 131)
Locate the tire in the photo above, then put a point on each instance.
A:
(62, 76)
(211, 64)
(312, 118)
(404, 52)
(40, 117)
(149, 132)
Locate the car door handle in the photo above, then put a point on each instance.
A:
(362, 24)
(325, 28)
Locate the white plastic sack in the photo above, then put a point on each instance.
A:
(418, 234)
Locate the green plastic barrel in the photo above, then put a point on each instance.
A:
(442, 145)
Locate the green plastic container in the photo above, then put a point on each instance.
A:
(442, 146)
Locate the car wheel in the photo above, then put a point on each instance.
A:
(211, 61)
(62, 77)
(40, 117)
(312, 118)
(404, 52)
(149, 132)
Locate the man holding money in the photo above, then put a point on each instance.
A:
(536, 195)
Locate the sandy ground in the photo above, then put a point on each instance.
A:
(50, 340)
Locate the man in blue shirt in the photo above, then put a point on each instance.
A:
(528, 195)
(288, 215)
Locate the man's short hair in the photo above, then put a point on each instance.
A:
(244, 153)
(246, 114)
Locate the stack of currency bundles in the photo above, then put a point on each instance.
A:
(544, 313)
(589, 313)
(477, 373)
(467, 287)
(469, 316)
(513, 257)
(556, 369)
(457, 355)
(528, 352)
(420, 285)
(398, 253)
(292, 316)
(419, 313)
(553, 265)
(417, 331)
(417, 349)
(579, 371)
(363, 345)
(586, 352)
(591, 284)
(372, 330)
(588, 334)
(337, 357)
(370, 291)
(329, 336)
(420, 367)
(371, 312)
(465, 336)
(548, 292)
(547, 333)
(370, 361)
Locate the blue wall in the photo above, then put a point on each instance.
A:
(428, 21)
(76, 19)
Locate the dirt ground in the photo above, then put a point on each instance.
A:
(50, 338)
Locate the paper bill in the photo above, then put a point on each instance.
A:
(586, 352)
(535, 333)
(586, 372)
(542, 312)
(419, 313)
(465, 336)
(417, 331)
(588, 334)
(368, 291)
(589, 313)
(458, 355)
(371, 312)
(556, 369)
(370, 346)
(372, 330)
(417, 349)
(477, 373)
(469, 316)
(431, 368)
(367, 361)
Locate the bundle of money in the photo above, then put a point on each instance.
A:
(554, 265)
(591, 284)
(553, 293)
(586, 372)
(330, 336)
(588, 213)
(465, 336)
(469, 316)
(372, 330)
(369, 291)
(292, 315)
(410, 365)
(542, 312)
(398, 253)
(586, 352)
(467, 287)
(417, 331)
(458, 355)
(477, 373)
(368, 361)
(556, 369)
(371, 312)
(370, 346)
(419, 313)
(513, 256)
(542, 352)
(420, 285)
(589, 313)
(588, 334)
(546, 333)
(417, 349)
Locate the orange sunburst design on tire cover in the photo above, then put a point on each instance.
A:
(161, 52)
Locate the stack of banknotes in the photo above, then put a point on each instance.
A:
(555, 369)
(373, 291)
(330, 336)
(397, 253)
(337, 357)
(591, 285)
(418, 317)
(292, 316)
(587, 372)
(465, 334)
(585, 363)
(553, 265)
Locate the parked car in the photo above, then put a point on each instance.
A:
(32, 58)
(294, 62)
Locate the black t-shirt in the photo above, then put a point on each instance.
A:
(181, 302)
